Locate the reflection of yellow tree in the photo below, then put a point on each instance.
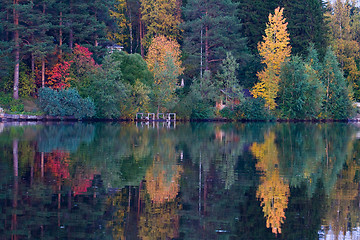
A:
(160, 219)
(273, 191)
(163, 184)
(117, 223)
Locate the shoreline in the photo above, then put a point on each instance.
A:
(45, 118)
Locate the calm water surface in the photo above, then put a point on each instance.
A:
(189, 181)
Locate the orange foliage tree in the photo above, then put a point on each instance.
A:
(160, 47)
(273, 191)
(58, 164)
(59, 76)
(160, 219)
(160, 185)
(164, 62)
(274, 50)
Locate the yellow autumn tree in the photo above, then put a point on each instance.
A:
(121, 35)
(343, 40)
(274, 50)
(273, 191)
(162, 182)
(164, 62)
(160, 47)
(160, 218)
(161, 17)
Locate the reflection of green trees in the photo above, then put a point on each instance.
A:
(66, 137)
(122, 153)
(313, 152)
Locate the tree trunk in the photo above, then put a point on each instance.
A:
(43, 58)
(43, 72)
(7, 31)
(16, 157)
(60, 34)
(42, 166)
(32, 64)
(141, 37)
(71, 34)
(16, 188)
(17, 51)
(201, 53)
(206, 48)
(130, 29)
(71, 38)
(96, 43)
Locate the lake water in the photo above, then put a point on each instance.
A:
(183, 181)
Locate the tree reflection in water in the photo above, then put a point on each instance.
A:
(273, 190)
(193, 181)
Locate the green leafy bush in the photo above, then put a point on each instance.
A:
(5, 100)
(65, 103)
(202, 110)
(107, 89)
(253, 109)
(16, 106)
(10, 104)
(227, 113)
(300, 91)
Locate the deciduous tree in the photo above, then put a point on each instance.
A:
(161, 47)
(120, 35)
(343, 40)
(161, 17)
(273, 190)
(274, 50)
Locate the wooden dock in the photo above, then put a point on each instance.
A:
(160, 117)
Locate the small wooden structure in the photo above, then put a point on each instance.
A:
(114, 47)
(159, 117)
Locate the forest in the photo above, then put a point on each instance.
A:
(201, 59)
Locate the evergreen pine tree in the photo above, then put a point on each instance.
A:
(254, 15)
(300, 91)
(211, 29)
(306, 24)
(337, 102)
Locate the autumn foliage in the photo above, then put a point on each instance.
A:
(58, 164)
(274, 50)
(83, 61)
(273, 191)
(160, 187)
(59, 76)
(160, 48)
(161, 17)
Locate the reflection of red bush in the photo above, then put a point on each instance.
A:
(82, 182)
(58, 164)
(82, 187)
